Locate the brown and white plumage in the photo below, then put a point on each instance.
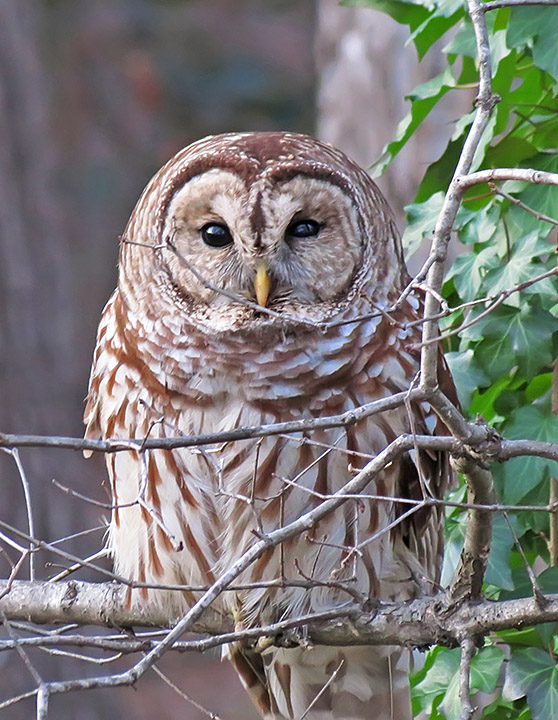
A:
(174, 355)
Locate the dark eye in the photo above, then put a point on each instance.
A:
(216, 235)
(303, 229)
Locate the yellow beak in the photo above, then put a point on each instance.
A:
(262, 285)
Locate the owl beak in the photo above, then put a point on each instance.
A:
(262, 285)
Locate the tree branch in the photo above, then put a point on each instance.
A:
(470, 571)
(496, 4)
(346, 419)
(538, 177)
(417, 623)
(486, 101)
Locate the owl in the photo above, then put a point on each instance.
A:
(255, 277)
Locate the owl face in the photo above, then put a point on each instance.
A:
(278, 219)
(276, 243)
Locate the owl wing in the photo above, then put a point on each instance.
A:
(423, 473)
(93, 401)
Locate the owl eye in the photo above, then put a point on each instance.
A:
(303, 229)
(216, 235)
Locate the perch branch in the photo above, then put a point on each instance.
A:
(417, 623)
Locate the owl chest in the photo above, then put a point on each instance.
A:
(218, 495)
(219, 392)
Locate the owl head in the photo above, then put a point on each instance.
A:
(275, 221)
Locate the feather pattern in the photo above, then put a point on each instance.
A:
(175, 357)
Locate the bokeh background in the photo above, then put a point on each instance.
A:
(95, 95)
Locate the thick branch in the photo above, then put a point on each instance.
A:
(476, 549)
(83, 603)
(418, 623)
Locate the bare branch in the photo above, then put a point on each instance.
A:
(331, 679)
(245, 433)
(486, 443)
(486, 101)
(537, 592)
(28, 505)
(476, 549)
(496, 4)
(184, 695)
(538, 177)
(516, 201)
(16, 699)
(467, 654)
(418, 623)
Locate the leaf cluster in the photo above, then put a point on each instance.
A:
(502, 351)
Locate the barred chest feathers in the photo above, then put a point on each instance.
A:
(257, 279)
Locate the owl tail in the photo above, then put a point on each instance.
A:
(324, 683)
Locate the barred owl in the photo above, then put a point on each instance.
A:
(254, 276)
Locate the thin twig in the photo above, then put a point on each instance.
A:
(346, 419)
(495, 302)
(538, 594)
(331, 679)
(184, 695)
(516, 201)
(28, 505)
(103, 552)
(234, 296)
(17, 698)
(21, 652)
(497, 4)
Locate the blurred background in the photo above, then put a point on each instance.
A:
(95, 95)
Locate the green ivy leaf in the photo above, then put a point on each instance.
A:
(541, 198)
(421, 220)
(483, 403)
(454, 538)
(423, 99)
(442, 679)
(522, 474)
(411, 13)
(485, 669)
(512, 337)
(496, 355)
(548, 582)
(482, 226)
(510, 151)
(534, 673)
(525, 637)
(469, 269)
(463, 42)
(435, 684)
(502, 710)
(432, 29)
(440, 172)
(538, 386)
(467, 375)
(536, 30)
(520, 268)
